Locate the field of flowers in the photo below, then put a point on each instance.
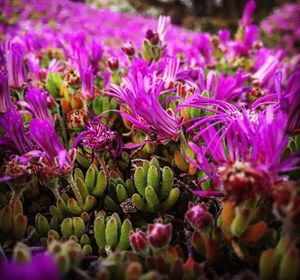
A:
(131, 148)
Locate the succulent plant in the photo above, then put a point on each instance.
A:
(110, 233)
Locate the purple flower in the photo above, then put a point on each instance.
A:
(87, 78)
(36, 103)
(248, 13)
(141, 106)
(99, 138)
(41, 267)
(250, 37)
(17, 75)
(5, 100)
(12, 126)
(57, 160)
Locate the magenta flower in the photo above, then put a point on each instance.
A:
(41, 267)
(37, 104)
(56, 159)
(222, 87)
(267, 63)
(205, 47)
(17, 75)
(139, 102)
(5, 100)
(244, 47)
(248, 160)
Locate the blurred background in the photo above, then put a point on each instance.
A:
(205, 15)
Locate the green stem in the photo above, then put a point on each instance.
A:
(75, 189)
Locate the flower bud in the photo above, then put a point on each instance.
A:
(152, 36)
(198, 216)
(128, 49)
(159, 235)
(113, 64)
(138, 241)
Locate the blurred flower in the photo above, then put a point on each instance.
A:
(41, 267)
(206, 50)
(248, 13)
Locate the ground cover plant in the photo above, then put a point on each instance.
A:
(132, 148)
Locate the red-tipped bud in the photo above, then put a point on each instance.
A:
(128, 49)
(51, 102)
(159, 235)
(138, 241)
(152, 36)
(198, 216)
(113, 63)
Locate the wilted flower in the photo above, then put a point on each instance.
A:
(99, 137)
(76, 119)
(138, 241)
(198, 216)
(159, 235)
(17, 75)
